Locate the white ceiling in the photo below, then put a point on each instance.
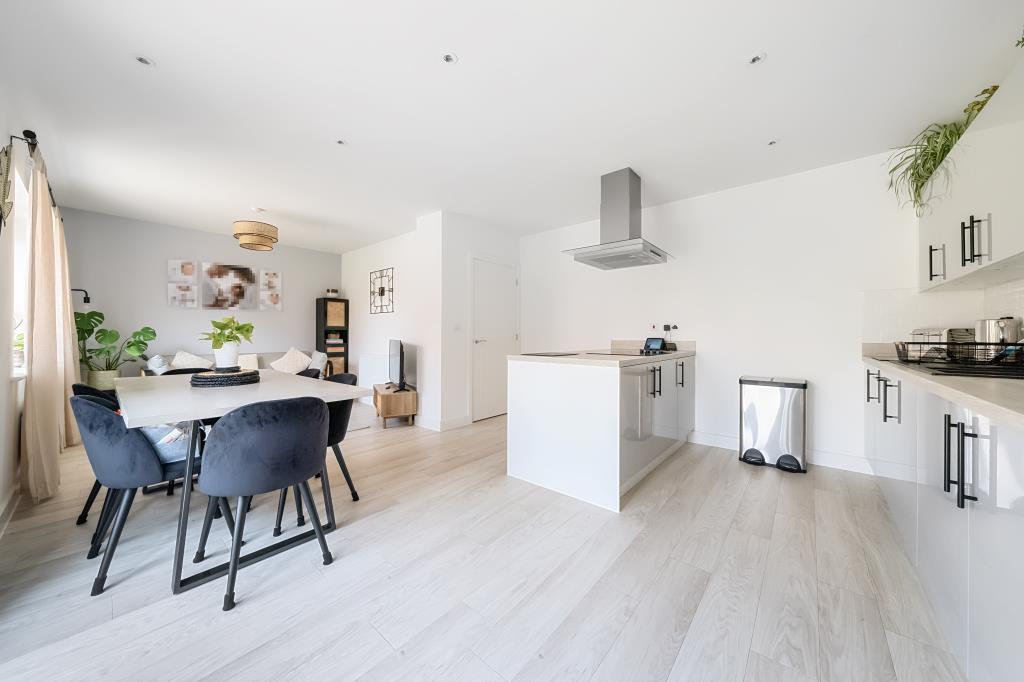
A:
(247, 99)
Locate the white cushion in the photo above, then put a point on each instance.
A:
(183, 359)
(157, 365)
(292, 362)
(249, 361)
(318, 361)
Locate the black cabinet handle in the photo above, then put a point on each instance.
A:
(931, 262)
(660, 380)
(654, 381)
(968, 230)
(961, 486)
(883, 390)
(868, 397)
(681, 366)
(947, 427)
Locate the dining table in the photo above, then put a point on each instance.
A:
(156, 400)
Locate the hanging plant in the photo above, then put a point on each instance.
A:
(914, 167)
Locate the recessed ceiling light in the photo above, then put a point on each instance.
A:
(340, 141)
(773, 142)
(449, 58)
(758, 58)
(145, 61)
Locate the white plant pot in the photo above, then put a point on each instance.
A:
(226, 355)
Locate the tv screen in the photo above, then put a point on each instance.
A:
(396, 365)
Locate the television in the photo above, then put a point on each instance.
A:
(396, 364)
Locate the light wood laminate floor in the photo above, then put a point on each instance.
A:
(448, 569)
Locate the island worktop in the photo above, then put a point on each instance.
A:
(602, 358)
(592, 426)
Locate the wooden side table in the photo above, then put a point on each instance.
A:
(390, 402)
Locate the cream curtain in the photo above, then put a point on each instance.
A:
(51, 362)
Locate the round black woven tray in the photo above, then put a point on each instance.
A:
(220, 379)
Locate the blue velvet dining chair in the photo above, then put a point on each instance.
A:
(339, 413)
(110, 397)
(257, 449)
(124, 460)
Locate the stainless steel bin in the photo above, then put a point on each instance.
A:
(773, 418)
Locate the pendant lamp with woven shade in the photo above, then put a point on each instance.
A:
(254, 235)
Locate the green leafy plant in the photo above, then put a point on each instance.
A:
(19, 338)
(111, 355)
(86, 325)
(228, 330)
(914, 167)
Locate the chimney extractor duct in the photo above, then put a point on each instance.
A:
(621, 244)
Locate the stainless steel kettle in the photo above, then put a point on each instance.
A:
(1002, 330)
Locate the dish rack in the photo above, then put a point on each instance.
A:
(961, 353)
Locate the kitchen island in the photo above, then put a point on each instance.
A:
(592, 425)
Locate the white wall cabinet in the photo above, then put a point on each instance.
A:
(984, 183)
(967, 542)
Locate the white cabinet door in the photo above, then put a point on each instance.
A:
(994, 462)
(896, 451)
(685, 378)
(666, 400)
(942, 527)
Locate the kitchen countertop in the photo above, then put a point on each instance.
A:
(592, 358)
(1001, 400)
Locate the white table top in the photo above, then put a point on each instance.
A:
(150, 401)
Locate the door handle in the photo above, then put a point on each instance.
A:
(654, 381)
(660, 380)
(961, 436)
(681, 366)
(868, 397)
(479, 340)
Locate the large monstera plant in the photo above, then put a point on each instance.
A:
(110, 354)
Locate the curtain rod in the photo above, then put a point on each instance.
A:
(32, 141)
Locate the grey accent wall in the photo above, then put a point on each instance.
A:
(123, 264)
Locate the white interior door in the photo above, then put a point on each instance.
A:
(495, 335)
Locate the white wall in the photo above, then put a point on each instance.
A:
(416, 258)
(785, 277)
(123, 265)
(465, 239)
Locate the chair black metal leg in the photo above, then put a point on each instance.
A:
(314, 518)
(125, 499)
(225, 511)
(170, 488)
(106, 519)
(281, 499)
(325, 485)
(211, 506)
(344, 470)
(300, 520)
(236, 550)
(84, 516)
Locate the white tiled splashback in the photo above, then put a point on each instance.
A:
(891, 314)
(1005, 299)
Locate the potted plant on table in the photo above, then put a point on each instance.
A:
(105, 362)
(226, 337)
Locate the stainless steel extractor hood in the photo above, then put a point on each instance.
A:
(621, 244)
